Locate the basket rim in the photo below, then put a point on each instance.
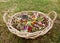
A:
(29, 11)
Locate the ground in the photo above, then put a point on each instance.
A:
(46, 6)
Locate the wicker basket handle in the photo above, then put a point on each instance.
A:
(8, 11)
(55, 15)
(4, 16)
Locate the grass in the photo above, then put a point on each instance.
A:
(53, 36)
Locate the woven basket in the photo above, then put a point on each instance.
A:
(28, 35)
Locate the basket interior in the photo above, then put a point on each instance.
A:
(29, 21)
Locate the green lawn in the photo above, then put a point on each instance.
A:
(53, 36)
